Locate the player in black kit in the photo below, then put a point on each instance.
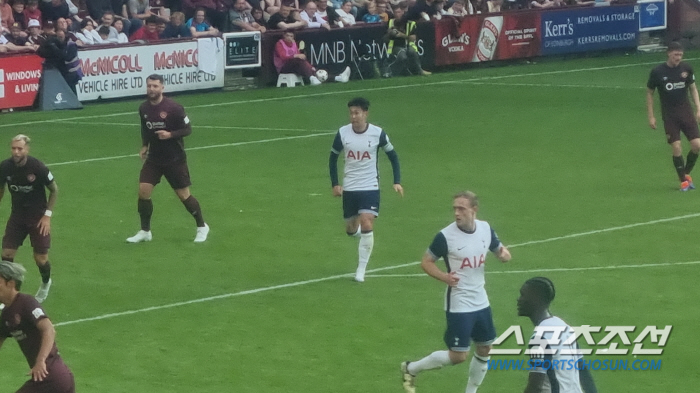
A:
(674, 79)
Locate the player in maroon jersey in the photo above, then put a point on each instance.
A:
(25, 320)
(164, 124)
(674, 79)
(26, 177)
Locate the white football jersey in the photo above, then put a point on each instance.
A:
(562, 375)
(360, 154)
(465, 253)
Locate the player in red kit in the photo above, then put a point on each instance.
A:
(164, 124)
(26, 179)
(25, 320)
(674, 79)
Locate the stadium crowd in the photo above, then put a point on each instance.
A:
(26, 24)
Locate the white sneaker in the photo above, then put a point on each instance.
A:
(360, 275)
(43, 291)
(2, 306)
(314, 81)
(344, 76)
(202, 233)
(140, 236)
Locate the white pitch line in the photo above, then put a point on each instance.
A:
(201, 126)
(306, 282)
(307, 95)
(611, 87)
(563, 269)
(197, 148)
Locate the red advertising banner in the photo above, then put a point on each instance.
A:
(454, 39)
(520, 36)
(19, 80)
(483, 38)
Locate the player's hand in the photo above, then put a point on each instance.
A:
(399, 189)
(143, 153)
(39, 372)
(163, 134)
(337, 191)
(44, 225)
(652, 123)
(451, 279)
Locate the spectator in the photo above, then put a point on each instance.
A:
(216, 10)
(345, 13)
(148, 32)
(460, 8)
(158, 7)
(55, 9)
(176, 28)
(293, 4)
(371, 16)
(6, 18)
(18, 14)
(13, 41)
(96, 8)
(327, 13)
(62, 54)
(87, 33)
(62, 24)
(103, 32)
(49, 28)
(199, 27)
(289, 60)
(139, 9)
(122, 38)
(35, 38)
(359, 8)
(242, 19)
(285, 19)
(381, 11)
(440, 8)
(258, 16)
(401, 48)
(495, 6)
(271, 6)
(31, 11)
(423, 9)
(107, 19)
(313, 20)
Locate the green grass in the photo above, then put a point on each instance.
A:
(549, 152)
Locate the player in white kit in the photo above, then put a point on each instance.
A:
(360, 142)
(463, 246)
(555, 365)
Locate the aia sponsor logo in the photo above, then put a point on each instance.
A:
(358, 155)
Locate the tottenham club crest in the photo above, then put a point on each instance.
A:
(31, 177)
(684, 74)
(163, 115)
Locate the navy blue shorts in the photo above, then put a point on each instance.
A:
(356, 202)
(464, 327)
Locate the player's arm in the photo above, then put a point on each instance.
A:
(394, 159)
(333, 165)
(535, 381)
(44, 224)
(498, 249)
(145, 133)
(48, 335)
(650, 108)
(437, 249)
(182, 131)
(696, 100)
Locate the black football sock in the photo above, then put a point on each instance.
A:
(690, 162)
(680, 168)
(45, 271)
(145, 212)
(192, 206)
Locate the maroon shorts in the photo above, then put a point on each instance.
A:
(19, 225)
(685, 123)
(177, 174)
(59, 380)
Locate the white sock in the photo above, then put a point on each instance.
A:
(358, 232)
(365, 250)
(477, 372)
(435, 360)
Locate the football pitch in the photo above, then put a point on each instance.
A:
(567, 170)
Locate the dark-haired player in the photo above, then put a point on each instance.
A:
(562, 370)
(25, 320)
(360, 141)
(26, 178)
(674, 79)
(164, 124)
(463, 245)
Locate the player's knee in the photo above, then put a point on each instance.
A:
(458, 357)
(483, 350)
(41, 258)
